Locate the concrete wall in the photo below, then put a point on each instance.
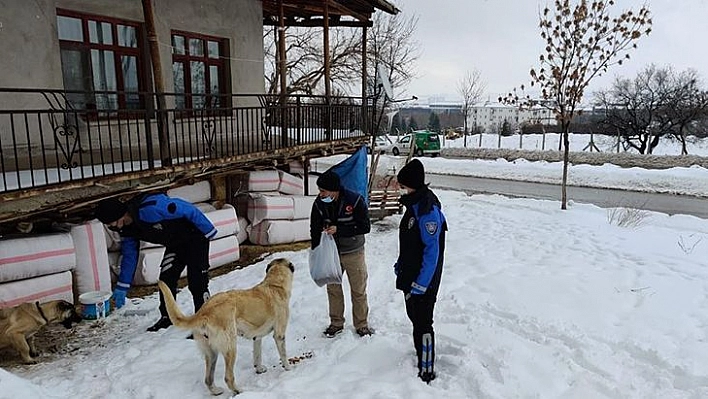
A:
(30, 48)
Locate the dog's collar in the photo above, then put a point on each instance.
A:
(39, 308)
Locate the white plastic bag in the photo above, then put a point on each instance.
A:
(325, 267)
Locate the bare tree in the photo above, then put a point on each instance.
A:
(657, 103)
(690, 105)
(305, 59)
(582, 41)
(471, 89)
(393, 50)
(391, 43)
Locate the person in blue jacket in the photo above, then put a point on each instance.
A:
(179, 226)
(420, 260)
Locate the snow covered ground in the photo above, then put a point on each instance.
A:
(534, 302)
(578, 142)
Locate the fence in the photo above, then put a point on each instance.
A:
(579, 142)
(53, 137)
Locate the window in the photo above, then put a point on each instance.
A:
(100, 55)
(199, 70)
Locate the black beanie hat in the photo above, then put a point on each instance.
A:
(110, 209)
(412, 175)
(329, 181)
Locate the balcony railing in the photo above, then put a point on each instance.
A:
(50, 137)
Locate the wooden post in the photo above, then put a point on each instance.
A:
(163, 137)
(327, 72)
(364, 127)
(365, 110)
(282, 61)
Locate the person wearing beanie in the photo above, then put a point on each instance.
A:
(419, 266)
(412, 175)
(345, 215)
(178, 225)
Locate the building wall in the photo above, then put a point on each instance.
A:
(491, 116)
(30, 47)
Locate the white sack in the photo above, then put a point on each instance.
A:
(263, 180)
(270, 232)
(22, 258)
(44, 288)
(262, 207)
(92, 272)
(197, 192)
(290, 184)
(302, 206)
(224, 220)
(242, 229)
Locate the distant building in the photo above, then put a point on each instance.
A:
(485, 117)
(489, 117)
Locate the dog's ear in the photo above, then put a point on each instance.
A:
(65, 306)
(291, 266)
(269, 266)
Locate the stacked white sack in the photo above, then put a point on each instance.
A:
(27, 257)
(92, 272)
(43, 288)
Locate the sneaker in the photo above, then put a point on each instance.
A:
(426, 376)
(364, 331)
(333, 331)
(164, 322)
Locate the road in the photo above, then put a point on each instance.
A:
(606, 198)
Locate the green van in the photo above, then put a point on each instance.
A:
(426, 143)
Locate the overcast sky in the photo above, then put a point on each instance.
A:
(501, 39)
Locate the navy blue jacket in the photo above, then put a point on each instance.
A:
(159, 219)
(351, 216)
(421, 237)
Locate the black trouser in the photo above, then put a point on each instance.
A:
(420, 311)
(195, 256)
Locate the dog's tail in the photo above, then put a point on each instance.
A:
(178, 318)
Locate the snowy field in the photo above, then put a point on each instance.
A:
(535, 302)
(578, 142)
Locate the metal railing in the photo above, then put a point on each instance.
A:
(50, 137)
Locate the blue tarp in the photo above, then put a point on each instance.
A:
(352, 173)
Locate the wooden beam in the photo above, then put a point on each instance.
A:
(318, 22)
(154, 45)
(309, 9)
(343, 10)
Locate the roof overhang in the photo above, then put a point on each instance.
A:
(311, 12)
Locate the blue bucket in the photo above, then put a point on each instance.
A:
(95, 304)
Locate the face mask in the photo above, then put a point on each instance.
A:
(402, 191)
(326, 200)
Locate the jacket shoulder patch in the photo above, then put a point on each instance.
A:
(431, 227)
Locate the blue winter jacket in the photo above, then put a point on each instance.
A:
(159, 219)
(421, 244)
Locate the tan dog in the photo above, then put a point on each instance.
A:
(18, 325)
(251, 313)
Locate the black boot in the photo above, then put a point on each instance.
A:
(426, 358)
(164, 322)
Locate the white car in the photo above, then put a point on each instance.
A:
(426, 143)
(380, 144)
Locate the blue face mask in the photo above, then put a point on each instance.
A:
(326, 200)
